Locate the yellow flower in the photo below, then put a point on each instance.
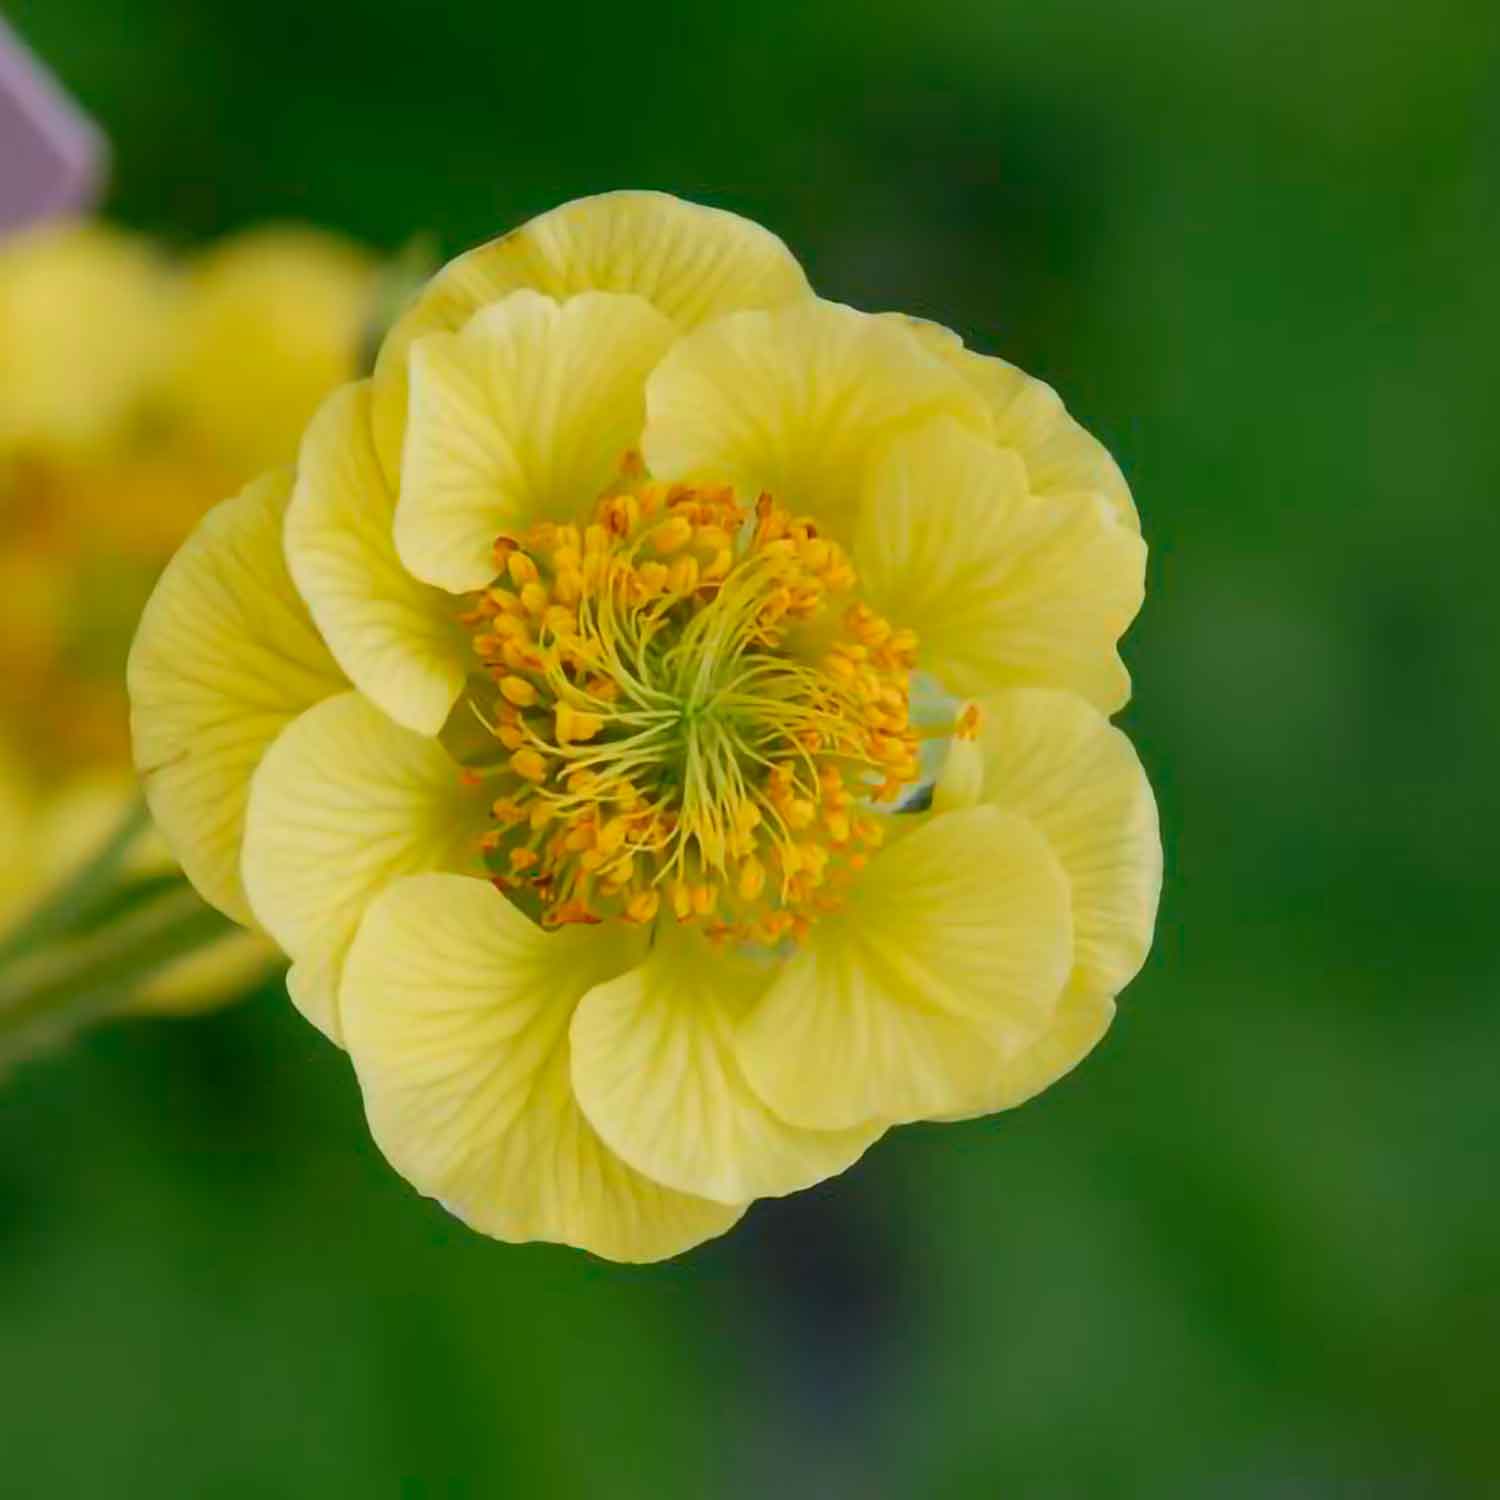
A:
(121, 422)
(570, 717)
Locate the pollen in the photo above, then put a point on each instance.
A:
(696, 714)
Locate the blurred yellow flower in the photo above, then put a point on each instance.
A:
(85, 312)
(664, 720)
(271, 321)
(121, 421)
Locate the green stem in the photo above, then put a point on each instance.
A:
(81, 895)
(70, 983)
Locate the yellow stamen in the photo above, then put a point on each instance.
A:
(716, 703)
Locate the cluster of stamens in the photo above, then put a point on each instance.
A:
(696, 714)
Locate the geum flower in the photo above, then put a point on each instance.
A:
(664, 719)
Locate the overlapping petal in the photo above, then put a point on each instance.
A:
(1063, 460)
(690, 262)
(1059, 763)
(656, 1068)
(1083, 1016)
(396, 637)
(520, 417)
(949, 957)
(224, 659)
(1064, 767)
(797, 401)
(346, 802)
(1002, 587)
(456, 1013)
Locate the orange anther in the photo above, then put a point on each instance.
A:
(672, 534)
(573, 726)
(752, 878)
(518, 691)
(521, 569)
(529, 764)
(642, 906)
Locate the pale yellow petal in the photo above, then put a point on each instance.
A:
(225, 657)
(1059, 763)
(1083, 1016)
(1002, 587)
(524, 415)
(657, 1072)
(949, 958)
(797, 402)
(691, 263)
(344, 803)
(456, 1016)
(398, 639)
(1062, 459)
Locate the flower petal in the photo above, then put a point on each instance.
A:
(398, 639)
(1083, 1016)
(1059, 763)
(656, 1069)
(690, 262)
(1062, 459)
(225, 657)
(344, 803)
(949, 958)
(1001, 587)
(456, 1014)
(796, 401)
(524, 415)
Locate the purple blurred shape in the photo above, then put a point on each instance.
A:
(51, 156)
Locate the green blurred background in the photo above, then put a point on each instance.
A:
(1250, 1248)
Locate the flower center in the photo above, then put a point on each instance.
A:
(697, 710)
